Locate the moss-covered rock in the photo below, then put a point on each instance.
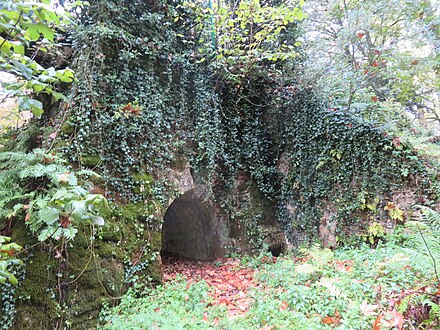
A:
(90, 161)
(36, 306)
(66, 283)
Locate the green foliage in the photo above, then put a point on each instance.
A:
(246, 34)
(425, 238)
(172, 306)
(346, 289)
(131, 95)
(340, 158)
(8, 308)
(375, 232)
(380, 68)
(7, 260)
(27, 28)
(43, 189)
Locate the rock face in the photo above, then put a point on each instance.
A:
(191, 229)
(197, 226)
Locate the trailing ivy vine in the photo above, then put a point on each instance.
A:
(145, 98)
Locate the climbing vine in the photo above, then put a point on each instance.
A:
(146, 99)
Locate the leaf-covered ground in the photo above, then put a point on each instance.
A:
(383, 288)
(229, 282)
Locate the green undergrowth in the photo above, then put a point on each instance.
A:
(324, 289)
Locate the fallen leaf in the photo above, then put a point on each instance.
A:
(65, 222)
(367, 309)
(397, 318)
(329, 320)
(224, 301)
(377, 323)
(284, 306)
(205, 317)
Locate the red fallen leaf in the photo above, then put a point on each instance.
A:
(332, 320)
(205, 317)
(284, 306)
(377, 323)
(224, 301)
(374, 98)
(157, 309)
(396, 141)
(397, 318)
(360, 34)
(415, 62)
(344, 266)
(328, 320)
(267, 327)
(375, 63)
(27, 217)
(350, 125)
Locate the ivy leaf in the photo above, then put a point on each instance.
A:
(12, 279)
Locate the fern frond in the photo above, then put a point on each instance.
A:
(333, 289)
(426, 237)
(431, 218)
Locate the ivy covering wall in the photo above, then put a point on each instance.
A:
(144, 99)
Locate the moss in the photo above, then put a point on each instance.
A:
(36, 308)
(90, 160)
(143, 182)
(71, 291)
(67, 129)
(110, 231)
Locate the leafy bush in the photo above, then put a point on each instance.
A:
(47, 193)
(7, 260)
(27, 28)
